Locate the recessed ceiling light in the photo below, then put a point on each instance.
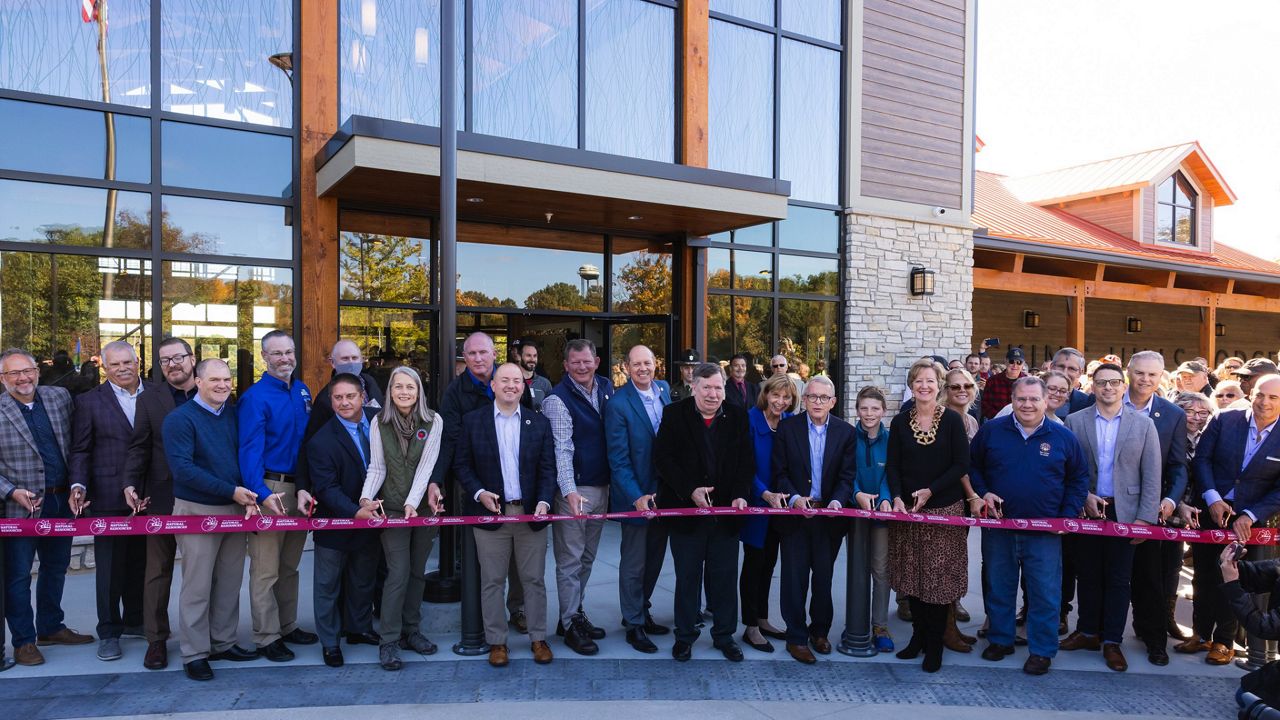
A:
(635, 217)
(475, 199)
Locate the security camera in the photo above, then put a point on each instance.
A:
(938, 212)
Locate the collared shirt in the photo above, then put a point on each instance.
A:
(557, 414)
(1025, 433)
(359, 432)
(1256, 437)
(483, 387)
(1146, 409)
(817, 449)
(273, 416)
(51, 454)
(1107, 431)
(200, 401)
(128, 400)
(179, 395)
(507, 428)
(652, 405)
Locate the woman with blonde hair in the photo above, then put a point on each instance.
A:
(404, 443)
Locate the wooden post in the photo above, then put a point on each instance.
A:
(1075, 319)
(316, 71)
(1208, 327)
(695, 33)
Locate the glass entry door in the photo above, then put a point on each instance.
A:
(652, 331)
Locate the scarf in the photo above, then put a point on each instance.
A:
(405, 428)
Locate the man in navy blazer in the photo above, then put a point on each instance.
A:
(505, 462)
(814, 464)
(345, 561)
(631, 421)
(101, 430)
(1237, 468)
(1158, 563)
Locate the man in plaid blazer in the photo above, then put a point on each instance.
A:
(35, 429)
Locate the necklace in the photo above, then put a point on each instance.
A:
(926, 437)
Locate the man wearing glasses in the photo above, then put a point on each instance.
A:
(35, 432)
(273, 417)
(998, 390)
(813, 467)
(149, 488)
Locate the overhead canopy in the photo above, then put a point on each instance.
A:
(395, 165)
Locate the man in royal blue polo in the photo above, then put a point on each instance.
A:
(1025, 467)
(273, 417)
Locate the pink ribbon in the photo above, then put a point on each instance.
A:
(190, 524)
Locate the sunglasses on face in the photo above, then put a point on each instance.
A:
(960, 386)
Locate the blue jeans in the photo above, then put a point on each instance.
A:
(1038, 557)
(19, 557)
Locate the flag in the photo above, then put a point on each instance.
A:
(88, 10)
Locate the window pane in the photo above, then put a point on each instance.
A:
(799, 274)
(48, 49)
(808, 335)
(385, 258)
(526, 70)
(1183, 232)
(815, 18)
(221, 227)
(760, 11)
(1182, 193)
(810, 229)
(738, 324)
(1165, 193)
(810, 121)
(224, 310)
(69, 141)
(752, 271)
(211, 158)
(1164, 223)
(625, 337)
(630, 92)
(66, 307)
(214, 59)
(502, 266)
(641, 277)
(754, 235)
(741, 100)
(390, 338)
(69, 215)
(718, 268)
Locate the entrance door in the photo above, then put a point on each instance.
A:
(652, 331)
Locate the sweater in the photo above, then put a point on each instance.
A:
(1043, 476)
(202, 450)
(910, 466)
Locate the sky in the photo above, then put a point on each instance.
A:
(1061, 83)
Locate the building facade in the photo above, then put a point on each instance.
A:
(754, 176)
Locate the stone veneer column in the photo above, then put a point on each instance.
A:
(885, 328)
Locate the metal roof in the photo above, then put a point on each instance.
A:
(1128, 172)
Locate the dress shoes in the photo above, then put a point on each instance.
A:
(65, 636)
(1036, 665)
(364, 638)
(333, 657)
(802, 653)
(1247, 665)
(653, 628)
(773, 633)
(1157, 656)
(542, 651)
(821, 645)
(520, 622)
(1114, 657)
(764, 646)
(298, 636)
(590, 631)
(157, 657)
(1079, 641)
(1192, 646)
(996, 653)
(235, 653)
(593, 632)
(28, 655)
(1219, 654)
(730, 650)
(637, 639)
(578, 639)
(498, 655)
(962, 615)
(198, 670)
(681, 651)
(276, 652)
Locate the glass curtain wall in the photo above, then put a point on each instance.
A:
(158, 202)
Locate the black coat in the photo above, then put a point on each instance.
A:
(461, 397)
(737, 399)
(478, 465)
(688, 455)
(337, 477)
(321, 413)
(792, 472)
(1262, 576)
(147, 468)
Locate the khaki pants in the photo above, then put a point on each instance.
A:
(209, 600)
(574, 544)
(273, 574)
(495, 549)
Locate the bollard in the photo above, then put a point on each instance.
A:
(856, 639)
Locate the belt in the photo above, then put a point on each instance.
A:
(278, 477)
(518, 502)
(55, 489)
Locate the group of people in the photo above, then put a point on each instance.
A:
(1001, 443)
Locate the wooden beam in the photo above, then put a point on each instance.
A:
(695, 34)
(1017, 262)
(986, 279)
(1075, 319)
(316, 72)
(1173, 277)
(1208, 338)
(1129, 292)
(1231, 285)
(1099, 276)
(1248, 302)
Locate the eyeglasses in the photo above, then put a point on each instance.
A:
(819, 398)
(277, 354)
(1056, 391)
(25, 372)
(174, 359)
(1199, 413)
(1228, 394)
(960, 386)
(1109, 383)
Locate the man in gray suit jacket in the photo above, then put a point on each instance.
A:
(1123, 449)
(35, 430)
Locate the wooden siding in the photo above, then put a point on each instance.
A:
(695, 30)
(913, 54)
(1205, 220)
(1149, 215)
(1113, 212)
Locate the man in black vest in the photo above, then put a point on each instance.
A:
(575, 408)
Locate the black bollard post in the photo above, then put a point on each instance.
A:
(856, 639)
(472, 642)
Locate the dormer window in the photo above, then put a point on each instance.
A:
(1176, 211)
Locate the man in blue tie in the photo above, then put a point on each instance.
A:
(345, 560)
(631, 423)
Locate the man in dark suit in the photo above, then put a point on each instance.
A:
(100, 432)
(740, 392)
(1237, 468)
(505, 463)
(1158, 563)
(345, 561)
(813, 467)
(149, 488)
(35, 432)
(704, 459)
